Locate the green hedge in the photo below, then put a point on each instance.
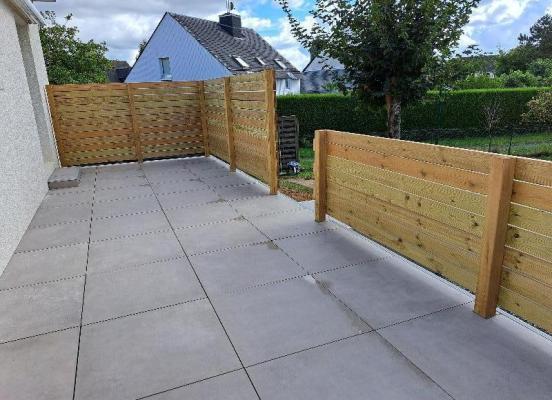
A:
(461, 110)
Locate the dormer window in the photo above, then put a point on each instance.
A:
(241, 61)
(280, 64)
(260, 61)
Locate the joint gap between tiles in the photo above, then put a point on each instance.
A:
(136, 266)
(39, 334)
(41, 283)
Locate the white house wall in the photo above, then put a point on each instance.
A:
(23, 170)
(294, 86)
(189, 60)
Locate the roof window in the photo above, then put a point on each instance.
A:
(260, 61)
(280, 64)
(241, 61)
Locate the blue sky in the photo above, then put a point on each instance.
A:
(494, 24)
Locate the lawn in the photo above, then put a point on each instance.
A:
(538, 145)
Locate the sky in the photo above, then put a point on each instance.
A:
(494, 25)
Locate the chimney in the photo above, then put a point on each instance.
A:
(231, 23)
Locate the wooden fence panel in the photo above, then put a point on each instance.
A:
(231, 118)
(481, 220)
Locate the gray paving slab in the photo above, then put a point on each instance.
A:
(331, 249)
(183, 199)
(45, 265)
(182, 185)
(231, 386)
(388, 291)
(125, 206)
(242, 192)
(363, 367)
(231, 179)
(169, 174)
(200, 214)
(126, 225)
(79, 196)
(218, 236)
(123, 168)
(474, 358)
(123, 193)
(41, 367)
(210, 171)
(257, 206)
(137, 289)
(131, 357)
(275, 320)
(61, 215)
(278, 226)
(55, 235)
(113, 254)
(34, 310)
(243, 267)
(114, 182)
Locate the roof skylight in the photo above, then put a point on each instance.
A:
(280, 64)
(260, 60)
(241, 61)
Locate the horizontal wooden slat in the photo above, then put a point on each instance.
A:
(255, 96)
(531, 219)
(529, 242)
(532, 289)
(525, 308)
(459, 178)
(532, 195)
(526, 264)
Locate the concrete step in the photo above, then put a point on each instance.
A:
(63, 178)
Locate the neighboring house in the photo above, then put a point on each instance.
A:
(27, 148)
(118, 72)
(185, 48)
(320, 74)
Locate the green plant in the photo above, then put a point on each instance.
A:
(516, 79)
(68, 59)
(388, 48)
(541, 68)
(480, 81)
(540, 108)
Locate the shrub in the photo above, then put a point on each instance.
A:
(540, 109)
(480, 81)
(460, 110)
(516, 79)
(541, 68)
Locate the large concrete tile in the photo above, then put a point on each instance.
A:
(126, 225)
(183, 199)
(34, 310)
(242, 192)
(114, 182)
(113, 254)
(363, 367)
(473, 358)
(169, 174)
(126, 169)
(331, 249)
(200, 214)
(132, 290)
(218, 236)
(55, 235)
(148, 353)
(388, 291)
(231, 179)
(126, 206)
(275, 320)
(231, 386)
(77, 196)
(278, 226)
(44, 265)
(41, 367)
(257, 206)
(123, 193)
(243, 267)
(177, 186)
(61, 215)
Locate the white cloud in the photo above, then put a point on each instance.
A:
(500, 11)
(287, 45)
(549, 9)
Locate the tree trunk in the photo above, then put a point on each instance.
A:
(393, 116)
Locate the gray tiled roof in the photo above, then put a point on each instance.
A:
(315, 81)
(224, 47)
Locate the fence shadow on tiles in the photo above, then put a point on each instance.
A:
(231, 118)
(479, 219)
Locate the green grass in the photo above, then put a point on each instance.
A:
(306, 159)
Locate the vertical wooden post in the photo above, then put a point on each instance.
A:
(229, 123)
(54, 116)
(501, 179)
(203, 110)
(272, 153)
(320, 157)
(135, 127)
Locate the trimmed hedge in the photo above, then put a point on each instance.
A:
(462, 110)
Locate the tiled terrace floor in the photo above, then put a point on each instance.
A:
(179, 280)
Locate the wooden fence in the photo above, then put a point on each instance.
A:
(232, 118)
(481, 220)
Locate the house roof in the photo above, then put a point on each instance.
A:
(224, 47)
(322, 62)
(317, 81)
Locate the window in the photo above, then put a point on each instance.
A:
(260, 61)
(165, 64)
(280, 64)
(288, 84)
(240, 61)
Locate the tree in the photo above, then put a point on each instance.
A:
(540, 109)
(68, 59)
(141, 47)
(388, 47)
(540, 37)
